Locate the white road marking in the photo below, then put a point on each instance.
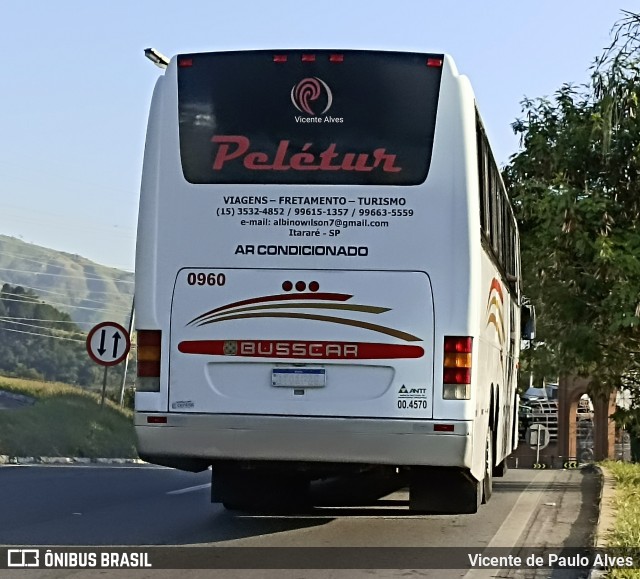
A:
(189, 489)
(513, 526)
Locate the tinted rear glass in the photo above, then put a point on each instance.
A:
(317, 117)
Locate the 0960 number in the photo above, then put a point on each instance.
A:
(206, 278)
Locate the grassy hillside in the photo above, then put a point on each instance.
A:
(88, 292)
(64, 421)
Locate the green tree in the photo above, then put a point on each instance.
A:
(575, 185)
(39, 341)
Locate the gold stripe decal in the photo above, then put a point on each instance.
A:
(350, 307)
(495, 303)
(344, 321)
(257, 308)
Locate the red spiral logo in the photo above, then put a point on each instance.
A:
(309, 90)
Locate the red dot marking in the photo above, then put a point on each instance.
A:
(314, 286)
(287, 286)
(301, 286)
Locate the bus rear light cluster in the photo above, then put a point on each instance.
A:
(148, 360)
(456, 373)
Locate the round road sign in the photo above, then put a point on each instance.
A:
(108, 344)
(538, 436)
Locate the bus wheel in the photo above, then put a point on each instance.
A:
(500, 469)
(445, 491)
(487, 481)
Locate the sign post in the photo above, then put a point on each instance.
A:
(538, 437)
(108, 344)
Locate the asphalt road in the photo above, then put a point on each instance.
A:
(139, 505)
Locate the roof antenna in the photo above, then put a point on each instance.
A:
(159, 59)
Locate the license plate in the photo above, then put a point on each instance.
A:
(298, 377)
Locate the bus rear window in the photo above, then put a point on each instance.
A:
(315, 117)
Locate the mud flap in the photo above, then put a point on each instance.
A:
(447, 491)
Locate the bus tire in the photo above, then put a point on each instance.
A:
(444, 491)
(501, 469)
(487, 481)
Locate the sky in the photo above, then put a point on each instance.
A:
(75, 86)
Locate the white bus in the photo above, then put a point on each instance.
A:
(327, 277)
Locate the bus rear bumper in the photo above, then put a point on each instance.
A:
(369, 441)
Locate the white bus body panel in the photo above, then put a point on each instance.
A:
(285, 438)
(271, 333)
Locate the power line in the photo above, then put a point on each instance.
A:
(40, 299)
(133, 345)
(22, 258)
(40, 289)
(65, 275)
(78, 331)
(51, 263)
(41, 335)
(10, 318)
(39, 302)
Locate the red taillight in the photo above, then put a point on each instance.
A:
(148, 369)
(336, 58)
(308, 58)
(457, 376)
(149, 353)
(156, 419)
(279, 58)
(458, 344)
(456, 367)
(444, 427)
(434, 62)
(185, 62)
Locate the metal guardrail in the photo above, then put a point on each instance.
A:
(545, 412)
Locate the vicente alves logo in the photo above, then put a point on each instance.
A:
(313, 97)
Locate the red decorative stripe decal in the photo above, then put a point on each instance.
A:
(495, 285)
(495, 317)
(300, 349)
